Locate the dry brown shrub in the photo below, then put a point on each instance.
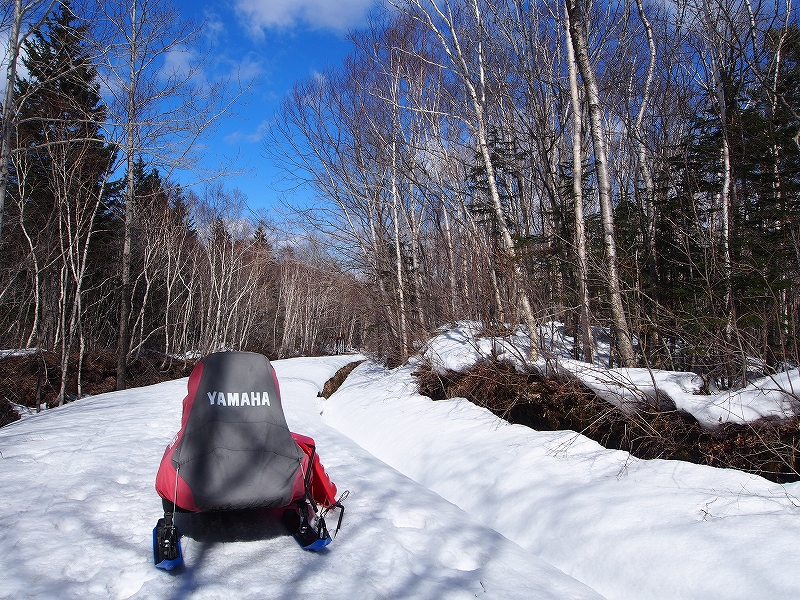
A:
(335, 382)
(35, 379)
(767, 448)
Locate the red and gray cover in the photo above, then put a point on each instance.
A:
(234, 449)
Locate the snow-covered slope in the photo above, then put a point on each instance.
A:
(77, 507)
(776, 396)
(629, 528)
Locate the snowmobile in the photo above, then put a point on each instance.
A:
(234, 451)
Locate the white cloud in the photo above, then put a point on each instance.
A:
(214, 27)
(178, 63)
(253, 137)
(182, 65)
(247, 68)
(337, 15)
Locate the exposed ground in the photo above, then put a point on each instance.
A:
(335, 382)
(766, 448)
(32, 380)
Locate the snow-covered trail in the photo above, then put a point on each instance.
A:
(77, 507)
(629, 528)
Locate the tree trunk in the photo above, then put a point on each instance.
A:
(401, 298)
(474, 84)
(619, 321)
(9, 116)
(644, 168)
(124, 332)
(646, 174)
(450, 262)
(582, 263)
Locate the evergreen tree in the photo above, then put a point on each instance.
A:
(762, 125)
(61, 172)
(61, 118)
(61, 101)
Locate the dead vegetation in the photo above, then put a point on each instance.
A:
(767, 448)
(335, 382)
(33, 380)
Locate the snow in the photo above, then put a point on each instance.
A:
(18, 352)
(78, 507)
(446, 501)
(629, 528)
(774, 396)
(767, 397)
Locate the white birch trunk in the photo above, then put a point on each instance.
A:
(398, 255)
(619, 320)
(577, 192)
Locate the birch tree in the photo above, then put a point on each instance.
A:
(161, 104)
(449, 25)
(582, 265)
(577, 24)
(60, 132)
(26, 18)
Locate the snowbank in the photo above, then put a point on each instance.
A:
(629, 528)
(78, 506)
(776, 397)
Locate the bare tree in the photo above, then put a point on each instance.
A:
(27, 17)
(327, 138)
(577, 23)
(577, 193)
(159, 109)
(470, 66)
(78, 210)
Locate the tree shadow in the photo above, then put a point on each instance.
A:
(211, 528)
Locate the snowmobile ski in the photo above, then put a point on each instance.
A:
(167, 553)
(313, 537)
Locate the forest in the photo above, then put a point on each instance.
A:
(630, 167)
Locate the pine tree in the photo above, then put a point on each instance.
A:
(62, 105)
(762, 125)
(62, 168)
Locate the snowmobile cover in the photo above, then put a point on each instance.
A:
(234, 449)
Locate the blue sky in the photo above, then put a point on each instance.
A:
(276, 42)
